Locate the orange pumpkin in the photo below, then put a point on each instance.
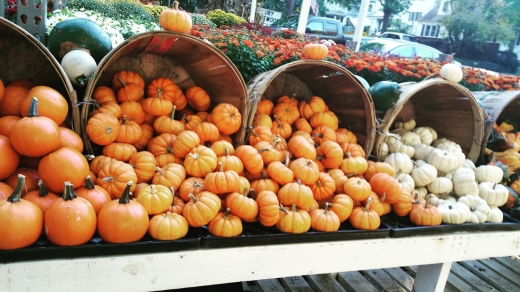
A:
(192, 185)
(5, 190)
(155, 199)
(13, 96)
(133, 111)
(198, 98)
(10, 157)
(265, 106)
(102, 128)
(63, 165)
(63, 215)
(69, 138)
(185, 142)
(227, 118)
(168, 226)
(41, 197)
(342, 205)
(175, 20)
(324, 220)
(7, 123)
(103, 94)
(171, 175)
(19, 215)
(315, 51)
(241, 205)
(114, 177)
(222, 182)
(144, 164)
(268, 208)
(96, 195)
(201, 209)
(168, 124)
(364, 218)
(51, 103)
(296, 193)
(225, 225)
(126, 77)
(252, 160)
(294, 220)
(384, 184)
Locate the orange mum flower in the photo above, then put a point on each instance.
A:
(248, 43)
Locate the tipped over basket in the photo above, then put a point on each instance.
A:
(186, 60)
(342, 92)
(22, 56)
(447, 107)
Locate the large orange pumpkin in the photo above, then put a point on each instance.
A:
(64, 164)
(51, 103)
(19, 215)
(13, 96)
(175, 20)
(10, 158)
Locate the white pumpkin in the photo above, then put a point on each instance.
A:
(442, 199)
(423, 173)
(441, 141)
(407, 125)
(494, 194)
(398, 146)
(422, 151)
(464, 182)
(441, 185)
(425, 134)
(451, 72)
(495, 215)
(400, 162)
(451, 147)
(78, 65)
(449, 175)
(406, 181)
(383, 151)
(477, 206)
(420, 192)
(434, 134)
(456, 213)
(391, 139)
(442, 160)
(461, 157)
(490, 173)
(469, 164)
(411, 139)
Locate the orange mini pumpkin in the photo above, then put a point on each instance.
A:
(315, 51)
(175, 20)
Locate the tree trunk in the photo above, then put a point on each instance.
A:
(386, 20)
(289, 8)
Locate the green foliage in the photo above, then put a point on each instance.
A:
(247, 60)
(117, 9)
(202, 20)
(155, 11)
(221, 18)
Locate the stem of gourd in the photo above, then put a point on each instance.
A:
(293, 207)
(283, 209)
(277, 121)
(326, 209)
(367, 205)
(220, 167)
(287, 159)
(42, 190)
(162, 171)
(16, 195)
(89, 184)
(122, 81)
(33, 108)
(172, 115)
(108, 179)
(194, 156)
(125, 197)
(226, 214)
(69, 193)
(193, 198)
(123, 120)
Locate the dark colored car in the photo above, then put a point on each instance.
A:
(322, 27)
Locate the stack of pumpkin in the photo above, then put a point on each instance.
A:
(436, 170)
(39, 154)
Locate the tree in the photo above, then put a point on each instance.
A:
(473, 23)
(393, 7)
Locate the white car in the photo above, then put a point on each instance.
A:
(398, 36)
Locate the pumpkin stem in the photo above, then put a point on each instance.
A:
(162, 171)
(193, 198)
(277, 121)
(125, 198)
(220, 167)
(349, 175)
(122, 81)
(383, 197)
(195, 156)
(42, 190)
(168, 214)
(428, 198)
(262, 174)
(283, 209)
(185, 118)
(172, 115)
(33, 108)
(246, 192)
(326, 209)
(69, 193)
(299, 182)
(152, 189)
(277, 140)
(226, 214)
(472, 208)
(287, 159)
(495, 185)
(159, 93)
(226, 151)
(367, 205)
(123, 120)
(347, 154)
(16, 195)
(293, 207)
(108, 178)
(196, 185)
(89, 184)
(253, 193)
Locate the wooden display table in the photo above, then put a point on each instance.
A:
(171, 270)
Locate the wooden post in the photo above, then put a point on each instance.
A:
(304, 15)
(432, 278)
(358, 33)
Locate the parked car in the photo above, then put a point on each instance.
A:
(399, 48)
(322, 27)
(398, 36)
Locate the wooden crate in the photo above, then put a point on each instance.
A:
(22, 56)
(341, 90)
(447, 107)
(186, 60)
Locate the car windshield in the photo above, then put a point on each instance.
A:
(376, 47)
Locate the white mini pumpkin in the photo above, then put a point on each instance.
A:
(456, 213)
(422, 151)
(464, 182)
(400, 162)
(451, 72)
(495, 215)
(425, 134)
(442, 160)
(442, 199)
(383, 151)
(494, 194)
(407, 125)
(78, 65)
(490, 173)
(398, 146)
(411, 139)
(469, 164)
(391, 139)
(477, 206)
(420, 192)
(441, 185)
(440, 141)
(406, 181)
(423, 173)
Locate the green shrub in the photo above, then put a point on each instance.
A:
(116, 9)
(202, 20)
(155, 11)
(221, 18)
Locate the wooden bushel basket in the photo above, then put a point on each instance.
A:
(447, 107)
(22, 56)
(341, 90)
(186, 60)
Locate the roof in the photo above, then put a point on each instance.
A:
(432, 15)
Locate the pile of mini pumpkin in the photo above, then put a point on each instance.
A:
(437, 177)
(39, 155)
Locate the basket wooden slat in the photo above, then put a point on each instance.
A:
(341, 90)
(22, 56)
(445, 106)
(187, 60)
(500, 105)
